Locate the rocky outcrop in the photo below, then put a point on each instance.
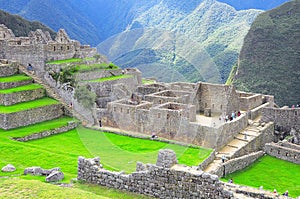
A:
(8, 168)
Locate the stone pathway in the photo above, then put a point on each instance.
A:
(240, 140)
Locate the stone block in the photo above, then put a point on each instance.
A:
(8, 168)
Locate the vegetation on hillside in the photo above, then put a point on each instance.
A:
(270, 57)
(20, 26)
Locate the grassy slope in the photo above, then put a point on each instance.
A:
(111, 78)
(27, 105)
(271, 173)
(269, 59)
(21, 88)
(14, 78)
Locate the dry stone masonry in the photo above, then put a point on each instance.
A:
(156, 181)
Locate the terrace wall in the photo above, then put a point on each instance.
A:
(23, 96)
(162, 180)
(31, 116)
(7, 85)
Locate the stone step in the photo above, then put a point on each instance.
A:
(19, 94)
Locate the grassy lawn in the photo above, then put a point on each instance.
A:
(28, 105)
(271, 173)
(21, 88)
(63, 150)
(110, 78)
(36, 128)
(14, 78)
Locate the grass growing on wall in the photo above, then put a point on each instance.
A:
(64, 61)
(148, 81)
(28, 105)
(111, 78)
(21, 88)
(92, 67)
(14, 78)
(271, 173)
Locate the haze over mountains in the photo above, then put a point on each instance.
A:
(171, 40)
(269, 61)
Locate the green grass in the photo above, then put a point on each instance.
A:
(28, 105)
(14, 78)
(39, 127)
(148, 81)
(21, 88)
(111, 78)
(64, 61)
(19, 188)
(271, 173)
(92, 67)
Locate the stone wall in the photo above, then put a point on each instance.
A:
(207, 161)
(8, 69)
(254, 113)
(164, 181)
(31, 116)
(266, 135)
(237, 164)
(35, 136)
(249, 101)
(7, 85)
(284, 118)
(283, 152)
(23, 96)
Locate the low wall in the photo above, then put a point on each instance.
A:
(254, 113)
(35, 136)
(156, 181)
(23, 96)
(7, 85)
(284, 153)
(207, 161)
(238, 164)
(31, 116)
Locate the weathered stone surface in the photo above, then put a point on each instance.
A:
(35, 171)
(156, 181)
(55, 176)
(31, 116)
(49, 171)
(166, 158)
(8, 168)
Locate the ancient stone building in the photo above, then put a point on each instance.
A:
(39, 47)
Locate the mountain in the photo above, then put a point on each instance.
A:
(214, 27)
(185, 33)
(254, 4)
(20, 26)
(269, 61)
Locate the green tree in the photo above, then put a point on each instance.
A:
(85, 97)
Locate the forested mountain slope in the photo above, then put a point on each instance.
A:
(20, 26)
(269, 61)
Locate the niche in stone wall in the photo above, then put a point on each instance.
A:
(68, 47)
(54, 48)
(61, 48)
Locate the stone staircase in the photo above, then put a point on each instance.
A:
(51, 93)
(23, 102)
(232, 148)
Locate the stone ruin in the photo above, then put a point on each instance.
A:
(178, 181)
